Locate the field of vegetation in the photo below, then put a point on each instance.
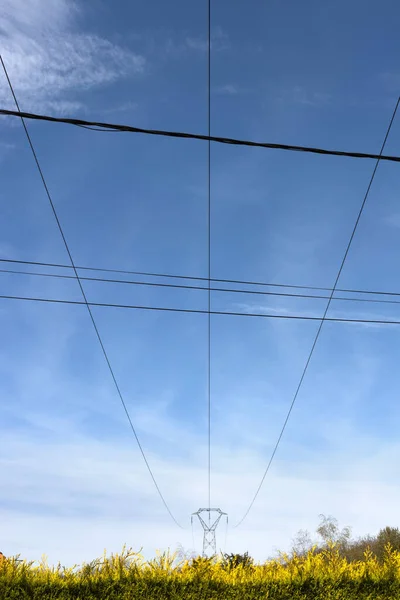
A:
(323, 575)
(336, 569)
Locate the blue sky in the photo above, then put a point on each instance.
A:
(310, 73)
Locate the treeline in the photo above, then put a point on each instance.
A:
(329, 533)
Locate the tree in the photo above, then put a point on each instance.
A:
(184, 555)
(330, 533)
(301, 543)
(231, 561)
(388, 535)
(356, 549)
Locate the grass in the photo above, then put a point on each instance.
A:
(124, 576)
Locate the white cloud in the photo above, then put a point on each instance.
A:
(48, 58)
(393, 220)
(62, 484)
(70, 492)
(5, 150)
(6, 249)
(300, 95)
(254, 308)
(219, 41)
(63, 107)
(197, 44)
(119, 108)
(77, 488)
(228, 89)
(391, 81)
(337, 310)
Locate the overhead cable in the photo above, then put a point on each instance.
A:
(209, 249)
(18, 113)
(200, 311)
(324, 318)
(95, 125)
(196, 278)
(205, 289)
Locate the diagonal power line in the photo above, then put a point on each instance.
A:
(99, 126)
(324, 315)
(84, 295)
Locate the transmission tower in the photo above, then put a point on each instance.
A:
(209, 526)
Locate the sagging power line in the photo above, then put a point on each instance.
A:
(86, 303)
(324, 317)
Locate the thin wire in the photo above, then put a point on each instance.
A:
(193, 541)
(195, 278)
(209, 251)
(204, 289)
(202, 312)
(324, 315)
(99, 129)
(84, 296)
(226, 535)
(196, 136)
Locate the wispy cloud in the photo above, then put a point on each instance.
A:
(393, 220)
(62, 480)
(219, 41)
(63, 107)
(119, 108)
(8, 250)
(338, 310)
(391, 81)
(49, 58)
(303, 96)
(196, 44)
(78, 486)
(5, 149)
(228, 89)
(249, 308)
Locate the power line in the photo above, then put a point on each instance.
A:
(209, 248)
(324, 315)
(226, 536)
(199, 311)
(196, 278)
(107, 127)
(83, 293)
(193, 542)
(212, 289)
(95, 125)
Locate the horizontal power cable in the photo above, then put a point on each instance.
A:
(197, 278)
(96, 125)
(198, 288)
(200, 311)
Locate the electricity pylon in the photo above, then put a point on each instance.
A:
(209, 528)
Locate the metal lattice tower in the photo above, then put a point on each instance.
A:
(209, 527)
